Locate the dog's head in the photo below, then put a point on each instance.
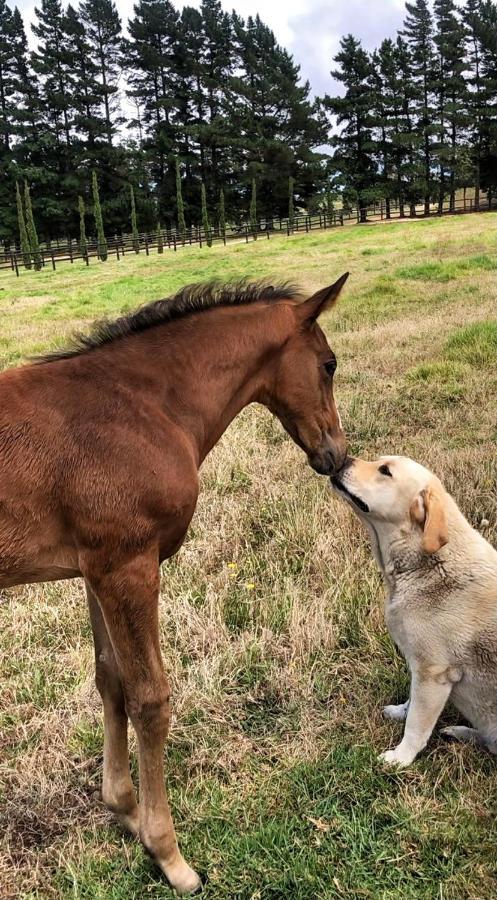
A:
(399, 491)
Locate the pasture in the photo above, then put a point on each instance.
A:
(271, 614)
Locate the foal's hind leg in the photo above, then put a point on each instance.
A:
(117, 788)
(128, 596)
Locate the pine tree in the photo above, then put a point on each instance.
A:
(152, 58)
(83, 243)
(50, 62)
(180, 210)
(290, 202)
(272, 109)
(488, 123)
(88, 121)
(23, 234)
(450, 90)
(354, 144)
(31, 229)
(253, 209)
(104, 37)
(206, 225)
(418, 34)
(160, 239)
(7, 79)
(55, 114)
(99, 225)
(222, 215)
(134, 226)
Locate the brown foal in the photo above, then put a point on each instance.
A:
(100, 447)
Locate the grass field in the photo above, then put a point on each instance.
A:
(272, 622)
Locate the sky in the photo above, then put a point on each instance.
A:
(309, 29)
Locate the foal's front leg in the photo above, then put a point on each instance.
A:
(117, 788)
(128, 596)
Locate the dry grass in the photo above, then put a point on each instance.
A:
(271, 614)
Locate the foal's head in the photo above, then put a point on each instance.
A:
(301, 390)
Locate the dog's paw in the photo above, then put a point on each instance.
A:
(397, 757)
(396, 712)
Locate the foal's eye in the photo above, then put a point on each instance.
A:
(330, 367)
(385, 471)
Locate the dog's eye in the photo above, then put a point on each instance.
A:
(330, 367)
(385, 471)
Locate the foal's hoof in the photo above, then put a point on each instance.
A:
(181, 877)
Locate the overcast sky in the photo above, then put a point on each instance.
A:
(309, 29)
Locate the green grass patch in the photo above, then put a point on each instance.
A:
(448, 270)
(475, 344)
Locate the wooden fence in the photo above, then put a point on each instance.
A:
(120, 245)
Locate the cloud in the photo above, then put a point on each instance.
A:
(316, 33)
(309, 29)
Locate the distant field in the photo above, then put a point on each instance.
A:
(272, 622)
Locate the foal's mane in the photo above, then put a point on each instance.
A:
(193, 298)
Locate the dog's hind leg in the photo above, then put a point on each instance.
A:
(398, 713)
(468, 735)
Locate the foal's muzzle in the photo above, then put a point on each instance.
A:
(331, 454)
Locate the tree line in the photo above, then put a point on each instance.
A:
(208, 98)
(418, 116)
(198, 116)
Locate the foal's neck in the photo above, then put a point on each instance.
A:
(214, 363)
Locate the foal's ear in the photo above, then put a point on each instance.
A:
(428, 510)
(322, 300)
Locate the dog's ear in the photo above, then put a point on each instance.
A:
(427, 509)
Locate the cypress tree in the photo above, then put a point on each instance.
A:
(99, 225)
(160, 239)
(222, 215)
(31, 229)
(23, 234)
(206, 225)
(253, 208)
(134, 227)
(83, 244)
(180, 209)
(290, 203)
(329, 205)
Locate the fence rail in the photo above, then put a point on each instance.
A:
(120, 245)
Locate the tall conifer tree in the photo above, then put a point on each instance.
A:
(23, 234)
(206, 225)
(180, 210)
(134, 225)
(99, 224)
(31, 229)
(82, 243)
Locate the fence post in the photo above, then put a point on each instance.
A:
(15, 264)
(174, 242)
(87, 258)
(146, 246)
(53, 261)
(70, 251)
(117, 251)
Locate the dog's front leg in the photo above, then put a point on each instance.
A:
(430, 691)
